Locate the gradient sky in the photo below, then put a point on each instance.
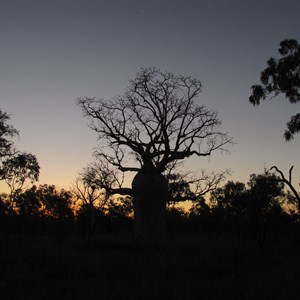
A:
(55, 51)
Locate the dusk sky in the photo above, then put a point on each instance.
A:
(53, 52)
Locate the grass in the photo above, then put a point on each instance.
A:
(192, 266)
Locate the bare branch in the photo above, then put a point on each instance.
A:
(193, 186)
(155, 122)
(290, 174)
(288, 182)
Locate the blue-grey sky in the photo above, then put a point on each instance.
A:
(55, 51)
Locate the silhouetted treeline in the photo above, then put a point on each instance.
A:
(45, 210)
(254, 210)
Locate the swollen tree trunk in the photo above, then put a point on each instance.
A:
(150, 193)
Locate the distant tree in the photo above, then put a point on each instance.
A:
(7, 131)
(177, 219)
(250, 209)
(45, 201)
(156, 122)
(27, 206)
(230, 202)
(119, 213)
(28, 203)
(44, 208)
(91, 198)
(120, 206)
(265, 191)
(200, 207)
(229, 196)
(55, 203)
(282, 76)
(192, 186)
(18, 170)
(200, 215)
(235, 208)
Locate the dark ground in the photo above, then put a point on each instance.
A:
(192, 266)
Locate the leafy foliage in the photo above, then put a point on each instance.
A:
(120, 206)
(55, 203)
(243, 209)
(28, 203)
(18, 169)
(265, 189)
(45, 201)
(282, 76)
(7, 131)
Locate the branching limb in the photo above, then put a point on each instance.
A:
(288, 182)
(192, 186)
(157, 120)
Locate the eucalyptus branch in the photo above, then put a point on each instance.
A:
(288, 182)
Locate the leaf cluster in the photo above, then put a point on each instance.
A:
(281, 76)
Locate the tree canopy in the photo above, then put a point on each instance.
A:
(282, 76)
(155, 122)
(15, 167)
(20, 168)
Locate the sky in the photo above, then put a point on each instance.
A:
(53, 52)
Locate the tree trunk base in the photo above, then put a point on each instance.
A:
(150, 192)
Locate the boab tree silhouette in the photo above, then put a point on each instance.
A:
(156, 122)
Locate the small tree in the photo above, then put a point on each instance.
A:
(190, 186)
(229, 204)
(156, 122)
(265, 190)
(91, 198)
(28, 203)
(120, 206)
(55, 203)
(7, 132)
(19, 169)
(282, 76)
(16, 168)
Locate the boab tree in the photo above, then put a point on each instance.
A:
(155, 122)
